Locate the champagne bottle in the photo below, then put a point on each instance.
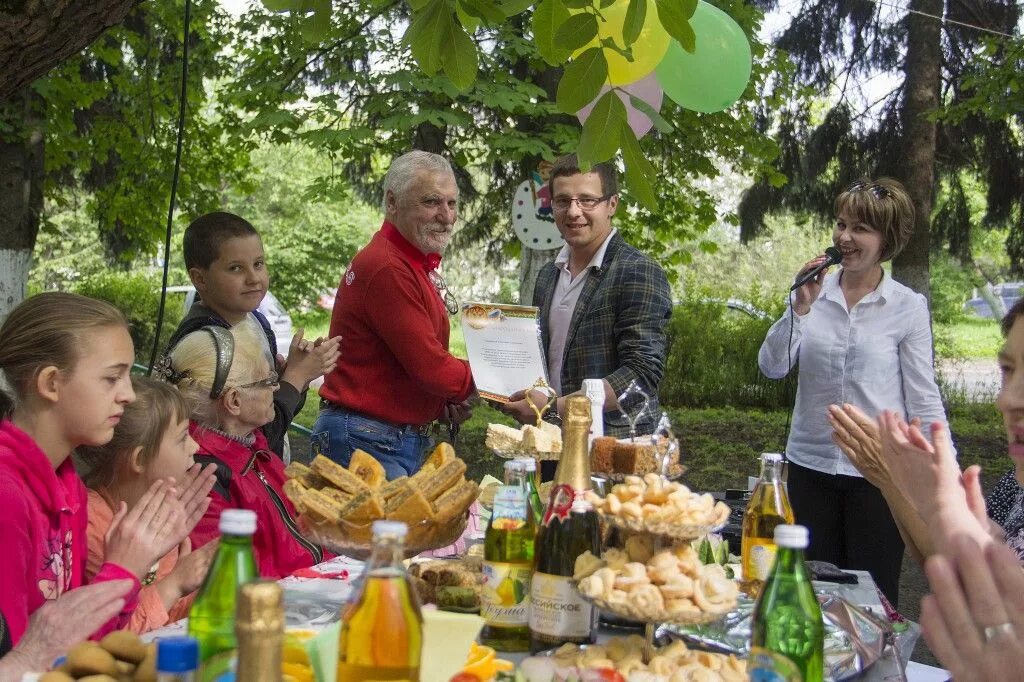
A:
(768, 508)
(787, 633)
(558, 614)
(211, 620)
(508, 563)
(259, 627)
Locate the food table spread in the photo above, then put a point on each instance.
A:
(314, 602)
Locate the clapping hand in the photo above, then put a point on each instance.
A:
(329, 352)
(308, 359)
(188, 573)
(857, 436)
(974, 618)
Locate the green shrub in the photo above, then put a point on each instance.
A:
(712, 360)
(138, 297)
(951, 286)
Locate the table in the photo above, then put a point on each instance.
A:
(315, 603)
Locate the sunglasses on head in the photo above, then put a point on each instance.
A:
(880, 191)
(270, 382)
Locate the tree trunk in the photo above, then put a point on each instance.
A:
(530, 263)
(922, 70)
(36, 35)
(21, 195)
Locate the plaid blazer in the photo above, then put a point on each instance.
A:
(617, 331)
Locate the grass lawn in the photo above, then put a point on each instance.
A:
(971, 338)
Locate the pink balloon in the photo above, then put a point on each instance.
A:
(648, 89)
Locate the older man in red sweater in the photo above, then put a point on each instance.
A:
(395, 375)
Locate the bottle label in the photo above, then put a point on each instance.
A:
(770, 666)
(510, 503)
(762, 559)
(557, 609)
(505, 598)
(560, 506)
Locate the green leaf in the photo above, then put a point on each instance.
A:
(417, 5)
(471, 23)
(675, 17)
(282, 5)
(459, 57)
(577, 31)
(548, 16)
(514, 7)
(636, 14)
(605, 4)
(581, 82)
(602, 130)
(640, 173)
(483, 9)
(578, 4)
(650, 112)
(423, 35)
(709, 246)
(316, 26)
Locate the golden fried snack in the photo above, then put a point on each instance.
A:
(304, 475)
(338, 496)
(410, 507)
(89, 658)
(425, 472)
(294, 490)
(456, 500)
(393, 487)
(56, 676)
(319, 507)
(124, 645)
(368, 469)
(338, 476)
(363, 508)
(441, 455)
(443, 479)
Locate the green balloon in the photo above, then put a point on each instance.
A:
(715, 75)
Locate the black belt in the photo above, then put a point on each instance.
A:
(418, 429)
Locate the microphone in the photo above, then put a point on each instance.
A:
(833, 256)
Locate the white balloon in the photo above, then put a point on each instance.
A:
(532, 218)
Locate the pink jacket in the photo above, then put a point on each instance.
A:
(43, 533)
(150, 613)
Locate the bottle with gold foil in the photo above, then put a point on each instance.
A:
(259, 627)
(558, 614)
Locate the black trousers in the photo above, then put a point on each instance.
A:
(850, 525)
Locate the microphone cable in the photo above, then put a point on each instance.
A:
(182, 101)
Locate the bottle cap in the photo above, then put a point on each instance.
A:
(514, 465)
(237, 522)
(529, 463)
(791, 536)
(177, 655)
(771, 457)
(389, 528)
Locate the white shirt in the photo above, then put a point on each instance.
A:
(563, 303)
(876, 356)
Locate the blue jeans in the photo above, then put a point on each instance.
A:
(339, 432)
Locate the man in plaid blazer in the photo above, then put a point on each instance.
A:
(603, 304)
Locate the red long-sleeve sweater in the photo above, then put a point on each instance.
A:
(395, 365)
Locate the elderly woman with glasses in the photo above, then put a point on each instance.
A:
(227, 377)
(858, 337)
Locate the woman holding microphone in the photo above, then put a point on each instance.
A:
(862, 338)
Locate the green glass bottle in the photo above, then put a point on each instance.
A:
(508, 563)
(211, 620)
(530, 464)
(787, 634)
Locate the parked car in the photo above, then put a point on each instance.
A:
(1008, 292)
(280, 320)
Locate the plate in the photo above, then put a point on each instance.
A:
(675, 472)
(681, 532)
(355, 540)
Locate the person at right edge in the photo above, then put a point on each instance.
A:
(859, 337)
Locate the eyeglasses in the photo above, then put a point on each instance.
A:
(586, 203)
(450, 302)
(880, 191)
(271, 381)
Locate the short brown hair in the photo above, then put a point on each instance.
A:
(569, 164)
(1015, 311)
(884, 205)
(204, 236)
(157, 407)
(47, 329)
